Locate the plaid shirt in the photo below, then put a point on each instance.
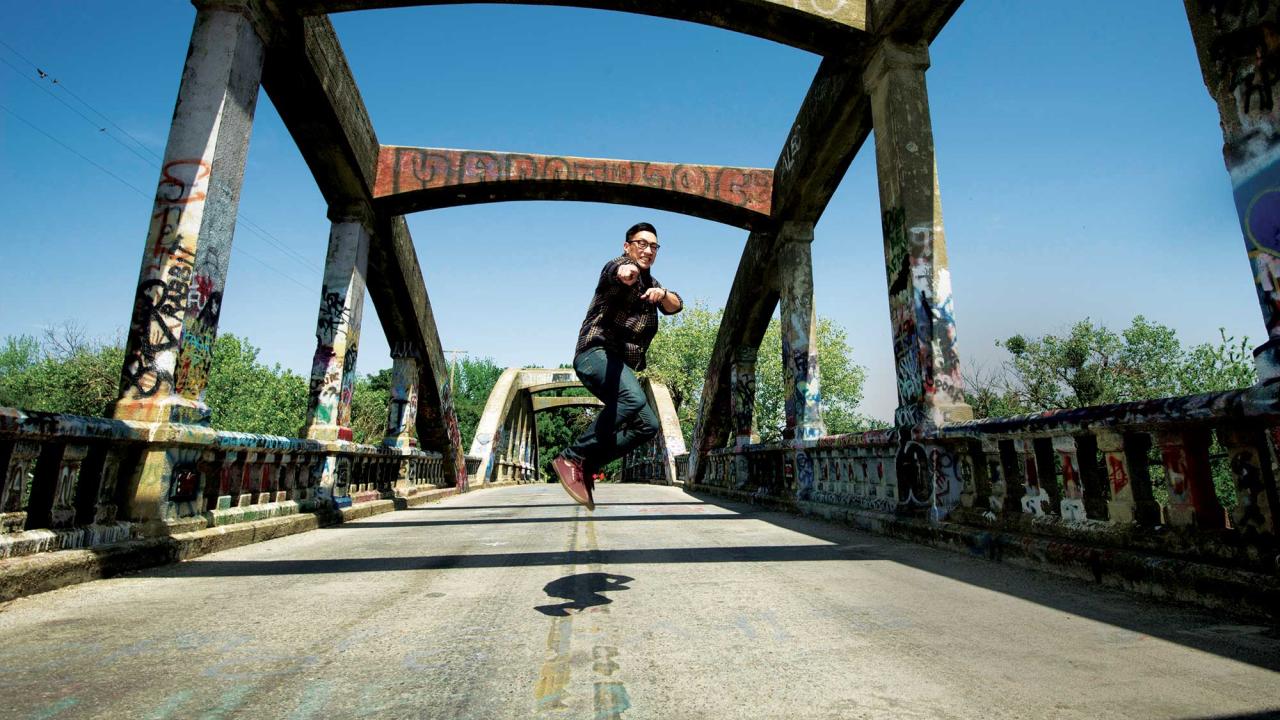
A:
(618, 319)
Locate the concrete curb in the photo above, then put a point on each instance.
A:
(30, 574)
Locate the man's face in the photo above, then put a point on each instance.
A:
(642, 248)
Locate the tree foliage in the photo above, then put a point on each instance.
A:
(681, 352)
(64, 371)
(246, 395)
(473, 380)
(1093, 365)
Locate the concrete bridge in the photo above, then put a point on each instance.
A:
(813, 577)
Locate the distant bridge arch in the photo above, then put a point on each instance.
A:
(505, 447)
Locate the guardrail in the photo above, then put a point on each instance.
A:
(73, 482)
(1133, 476)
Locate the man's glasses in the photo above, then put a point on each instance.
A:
(645, 245)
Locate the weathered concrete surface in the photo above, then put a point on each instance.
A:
(31, 574)
(411, 179)
(517, 603)
(814, 25)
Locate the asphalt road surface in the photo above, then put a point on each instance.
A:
(516, 603)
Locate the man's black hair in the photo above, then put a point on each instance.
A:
(640, 227)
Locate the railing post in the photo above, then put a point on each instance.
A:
(1072, 504)
(62, 513)
(1128, 477)
(997, 476)
(15, 495)
(1254, 480)
(1034, 498)
(167, 489)
(1192, 499)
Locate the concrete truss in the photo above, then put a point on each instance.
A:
(307, 77)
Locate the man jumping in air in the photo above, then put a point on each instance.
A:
(621, 322)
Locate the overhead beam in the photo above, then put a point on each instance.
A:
(833, 122)
(411, 179)
(306, 75)
(535, 389)
(814, 25)
(552, 403)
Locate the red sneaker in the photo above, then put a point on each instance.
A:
(573, 481)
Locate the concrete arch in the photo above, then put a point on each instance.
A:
(820, 26)
(505, 447)
(410, 179)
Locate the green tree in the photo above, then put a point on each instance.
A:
(370, 399)
(474, 379)
(681, 352)
(1093, 365)
(246, 395)
(65, 372)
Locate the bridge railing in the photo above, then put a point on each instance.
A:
(72, 481)
(1137, 476)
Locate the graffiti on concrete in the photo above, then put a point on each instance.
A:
(405, 169)
(920, 311)
(163, 299)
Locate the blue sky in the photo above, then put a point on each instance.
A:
(1079, 157)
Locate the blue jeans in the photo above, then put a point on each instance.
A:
(624, 423)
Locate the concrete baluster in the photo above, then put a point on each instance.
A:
(105, 506)
(1035, 499)
(1072, 505)
(1254, 478)
(229, 471)
(996, 475)
(1124, 460)
(19, 477)
(62, 512)
(1192, 498)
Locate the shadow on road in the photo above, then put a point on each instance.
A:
(582, 591)
(1209, 631)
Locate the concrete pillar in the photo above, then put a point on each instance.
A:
(1238, 47)
(800, 373)
(333, 368)
(184, 263)
(744, 396)
(930, 391)
(402, 412)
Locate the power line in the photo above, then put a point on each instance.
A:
(250, 225)
(82, 101)
(135, 188)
